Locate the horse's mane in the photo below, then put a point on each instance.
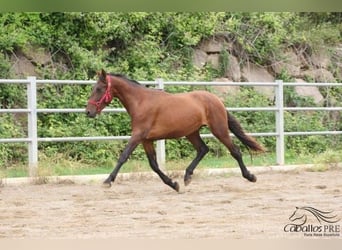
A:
(124, 77)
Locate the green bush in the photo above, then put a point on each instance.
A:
(11, 152)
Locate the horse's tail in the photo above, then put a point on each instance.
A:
(237, 130)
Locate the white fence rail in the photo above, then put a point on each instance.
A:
(32, 140)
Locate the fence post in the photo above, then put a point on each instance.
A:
(280, 145)
(161, 143)
(32, 126)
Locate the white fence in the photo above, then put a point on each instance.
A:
(279, 109)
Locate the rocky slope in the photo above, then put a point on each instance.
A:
(299, 64)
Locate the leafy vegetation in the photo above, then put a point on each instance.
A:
(146, 46)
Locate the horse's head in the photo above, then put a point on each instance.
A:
(298, 216)
(101, 95)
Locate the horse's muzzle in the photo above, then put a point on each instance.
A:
(90, 114)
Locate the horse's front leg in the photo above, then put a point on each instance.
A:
(152, 158)
(132, 144)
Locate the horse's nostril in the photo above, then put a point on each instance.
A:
(90, 114)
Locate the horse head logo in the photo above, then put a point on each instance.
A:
(301, 215)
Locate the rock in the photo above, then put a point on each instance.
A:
(254, 73)
(199, 58)
(337, 62)
(290, 64)
(338, 70)
(37, 55)
(320, 59)
(224, 91)
(214, 60)
(319, 75)
(233, 69)
(214, 44)
(309, 91)
(22, 66)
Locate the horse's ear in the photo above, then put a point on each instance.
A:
(102, 75)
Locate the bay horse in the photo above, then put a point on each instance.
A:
(158, 115)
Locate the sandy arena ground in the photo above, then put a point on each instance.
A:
(220, 206)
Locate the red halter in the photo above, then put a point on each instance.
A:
(106, 98)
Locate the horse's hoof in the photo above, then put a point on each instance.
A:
(176, 186)
(252, 178)
(187, 181)
(106, 184)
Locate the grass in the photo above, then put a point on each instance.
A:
(59, 166)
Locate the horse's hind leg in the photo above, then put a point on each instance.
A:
(223, 135)
(151, 155)
(202, 150)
